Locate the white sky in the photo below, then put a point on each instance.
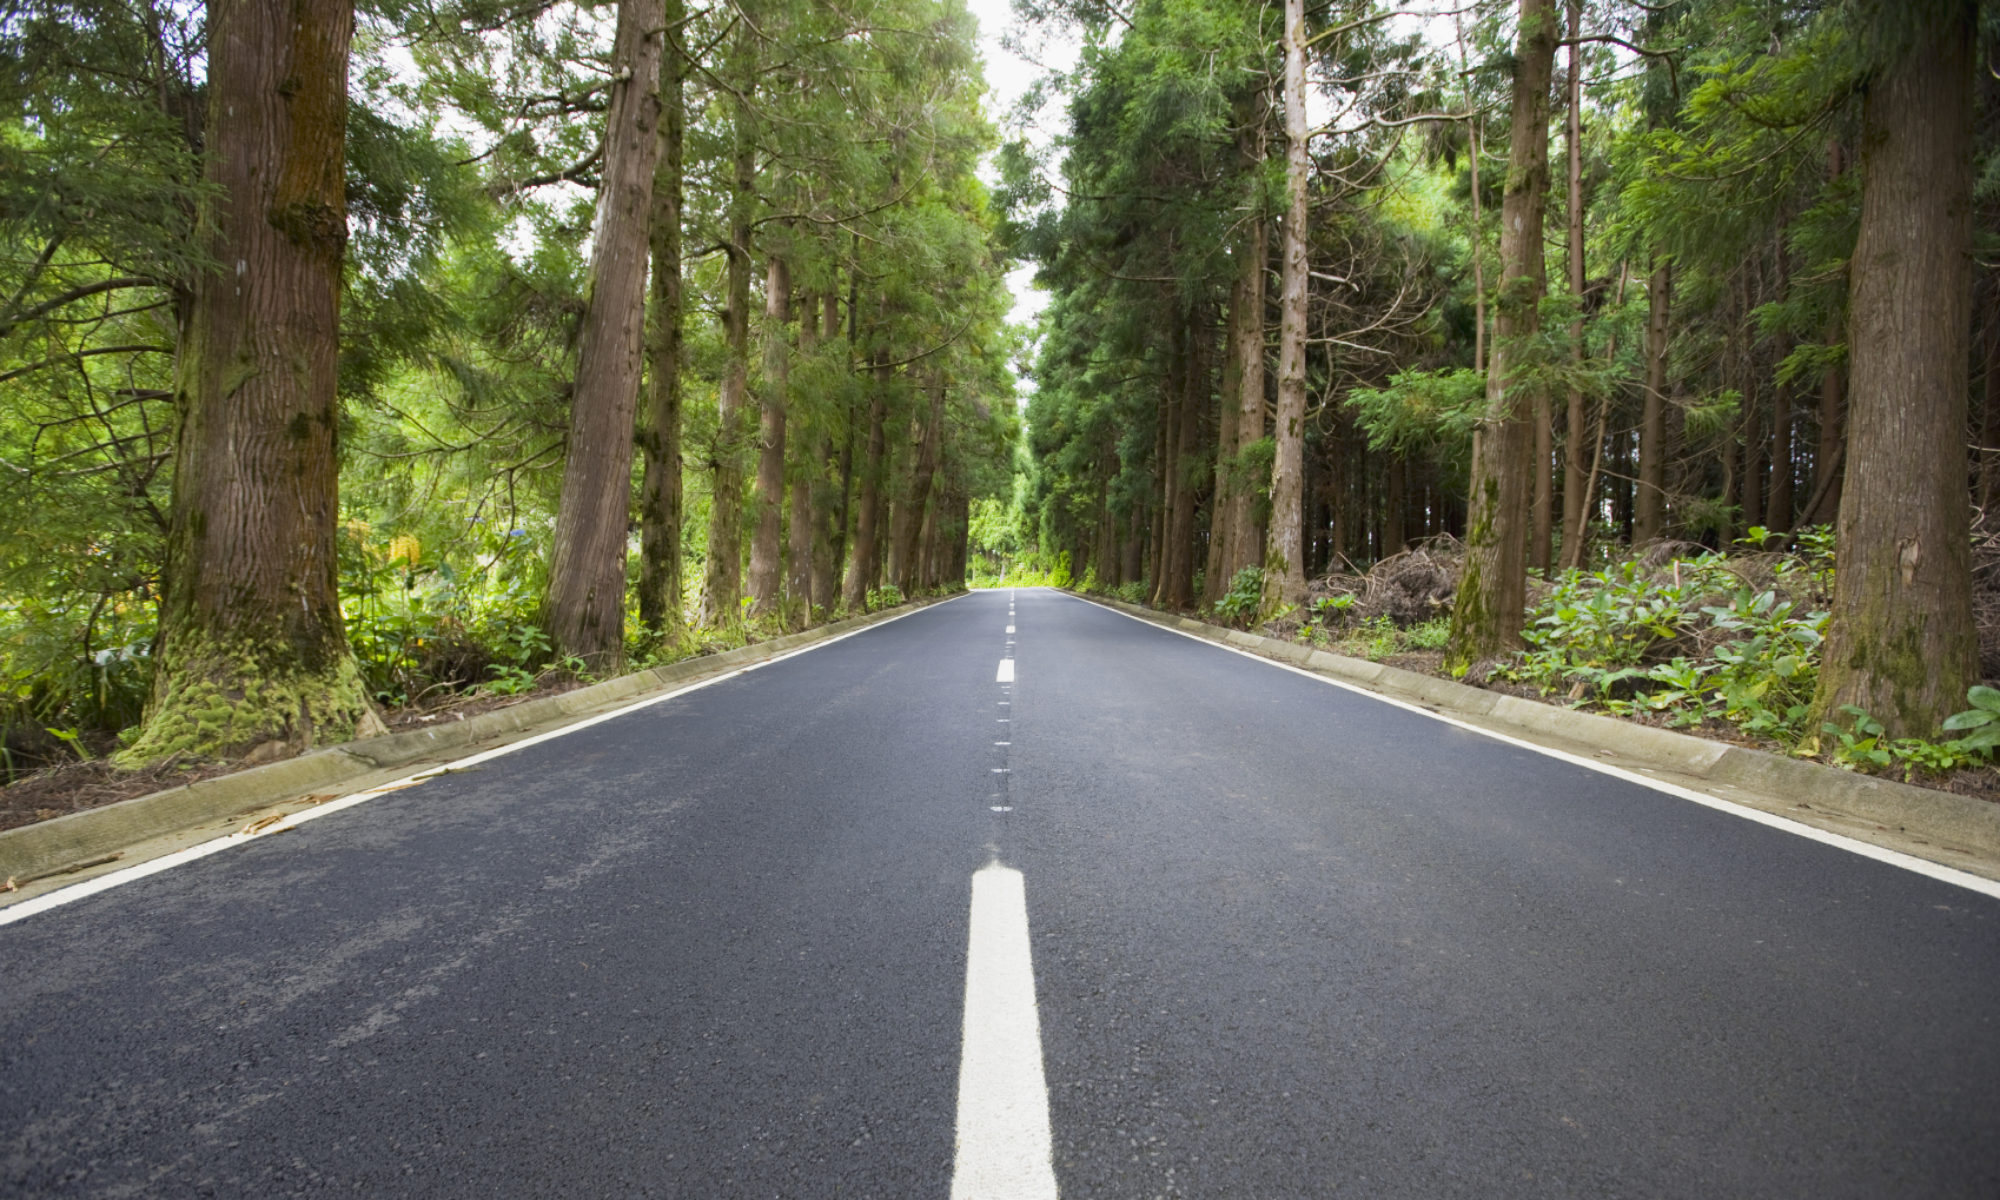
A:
(1009, 76)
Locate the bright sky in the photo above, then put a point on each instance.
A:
(1010, 76)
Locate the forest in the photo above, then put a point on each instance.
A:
(359, 359)
(1640, 356)
(356, 359)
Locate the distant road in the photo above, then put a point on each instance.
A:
(1231, 932)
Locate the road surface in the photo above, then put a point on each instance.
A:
(1230, 932)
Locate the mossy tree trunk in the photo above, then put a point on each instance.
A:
(1901, 644)
(1492, 595)
(585, 606)
(252, 655)
(660, 583)
(1284, 557)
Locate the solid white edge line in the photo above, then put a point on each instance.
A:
(1003, 1147)
(105, 882)
(1895, 858)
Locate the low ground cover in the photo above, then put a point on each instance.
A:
(1724, 645)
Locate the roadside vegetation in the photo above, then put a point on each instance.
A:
(605, 335)
(1564, 346)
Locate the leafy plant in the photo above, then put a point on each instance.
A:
(1245, 596)
(1981, 722)
(1859, 745)
(886, 596)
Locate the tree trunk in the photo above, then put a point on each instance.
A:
(1492, 596)
(1901, 643)
(1989, 456)
(861, 571)
(661, 599)
(1221, 509)
(585, 608)
(1650, 500)
(1285, 577)
(922, 472)
(831, 544)
(1173, 399)
(252, 655)
(767, 497)
(1829, 459)
(1246, 351)
(1187, 467)
(808, 462)
(1575, 489)
(722, 582)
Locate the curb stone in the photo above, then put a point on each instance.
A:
(1921, 821)
(69, 843)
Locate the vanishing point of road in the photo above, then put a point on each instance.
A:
(1012, 897)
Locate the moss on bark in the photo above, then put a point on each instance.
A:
(223, 699)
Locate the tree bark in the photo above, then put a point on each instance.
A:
(1246, 353)
(661, 600)
(830, 547)
(808, 469)
(585, 609)
(1901, 643)
(767, 497)
(1221, 515)
(1492, 595)
(1187, 467)
(722, 582)
(252, 654)
(1173, 398)
(1829, 463)
(1284, 563)
(1576, 512)
(922, 473)
(1649, 502)
(861, 570)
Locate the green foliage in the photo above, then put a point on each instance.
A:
(1240, 604)
(886, 596)
(1684, 641)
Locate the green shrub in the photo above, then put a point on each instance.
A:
(886, 596)
(1240, 604)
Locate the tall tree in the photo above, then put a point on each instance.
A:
(1901, 643)
(252, 654)
(767, 498)
(722, 581)
(1284, 565)
(1491, 604)
(1576, 499)
(660, 585)
(585, 609)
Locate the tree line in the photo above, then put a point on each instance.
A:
(350, 353)
(1554, 277)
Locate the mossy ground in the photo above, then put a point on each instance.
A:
(218, 700)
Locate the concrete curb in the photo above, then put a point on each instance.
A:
(32, 851)
(1953, 822)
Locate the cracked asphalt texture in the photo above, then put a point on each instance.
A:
(1289, 941)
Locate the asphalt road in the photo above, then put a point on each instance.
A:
(1286, 940)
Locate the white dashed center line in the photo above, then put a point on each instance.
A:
(1003, 1097)
(1006, 672)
